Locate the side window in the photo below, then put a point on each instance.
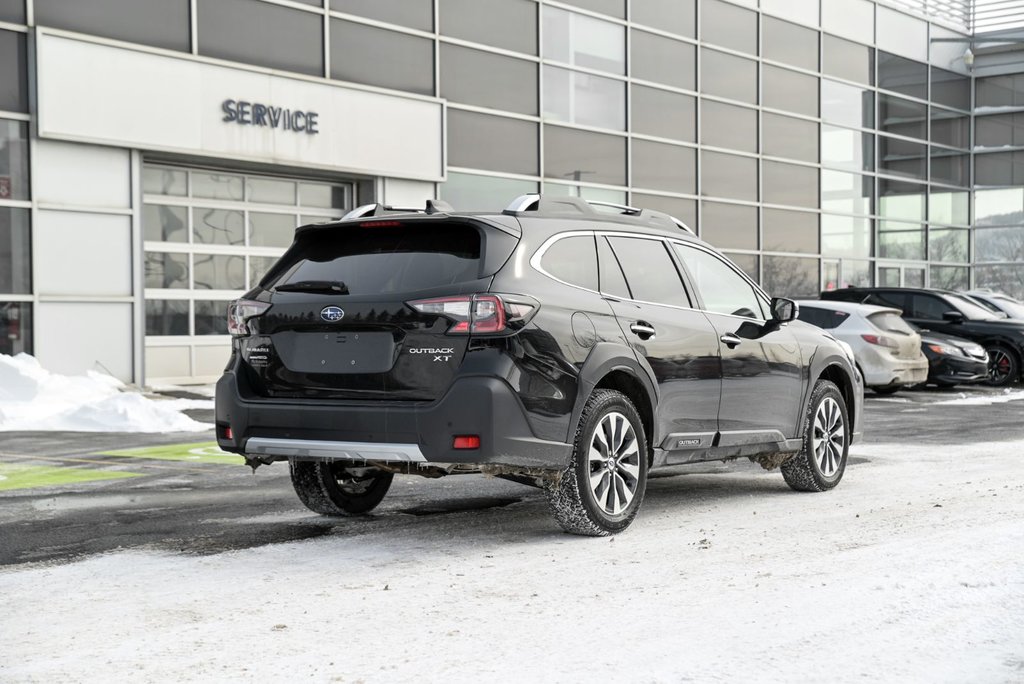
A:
(721, 287)
(812, 316)
(827, 319)
(896, 300)
(573, 260)
(612, 280)
(650, 272)
(928, 307)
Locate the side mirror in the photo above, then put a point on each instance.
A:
(953, 317)
(784, 310)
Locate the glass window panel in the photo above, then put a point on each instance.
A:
(13, 11)
(789, 90)
(900, 241)
(999, 130)
(902, 157)
(847, 105)
(730, 26)
(949, 167)
(615, 8)
(901, 200)
(847, 149)
(376, 56)
(650, 272)
(157, 180)
(789, 184)
(324, 196)
(847, 193)
(417, 14)
(482, 141)
(15, 251)
(674, 16)
(13, 72)
(902, 117)
(15, 328)
(845, 236)
(166, 270)
(999, 91)
(950, 128)
(161, 23)
(584, 41)
(271, 191)
(215, 185)
(584, 156)
(727, 76)
(218, 272)
(729, 226)
(260, 33)
(789, 43)
(856, 273)
(14, 176)
(509, 24)
(726, 125)
(727, 175)
(784, 136)
(683, 209)
(748, 263)
(663, 113)
(902, 75)
(573, 260)
(468, 192)
(950, 89)
(722, 289)
(1008, 278)
(271, 230)
(258, 267)
(584, 99)
(949, 277)
(848, 60)
(1004, 168)
(217, 227)
(211, 317)
(789, 231)
(167, 317)
(999, 207)
(164, 224)
(790, 276)
(663, 60)
(488, 80)
(659, 166)
(948, 207)
(948, 245)
(999, 244)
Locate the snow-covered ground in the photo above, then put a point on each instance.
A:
(33, 398)
(911, 570)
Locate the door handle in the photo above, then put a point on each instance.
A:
(730, 340)
(643, 330)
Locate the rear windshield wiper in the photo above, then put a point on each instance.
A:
(327, 286)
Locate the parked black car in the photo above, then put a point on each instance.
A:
(951, 313)
(551, 343)
(953, 360)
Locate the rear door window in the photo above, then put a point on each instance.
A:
(572, 260)
(649, 270)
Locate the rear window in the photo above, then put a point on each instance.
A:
(891, 322)
(372, 260)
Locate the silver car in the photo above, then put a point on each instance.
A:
(886, 349)
(998, 303)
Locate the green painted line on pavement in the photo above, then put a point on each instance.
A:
(202, 452)
(28, 477)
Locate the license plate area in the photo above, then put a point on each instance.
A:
(336, 352)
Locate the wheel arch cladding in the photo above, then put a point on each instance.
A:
(844, 382)
(627, 383)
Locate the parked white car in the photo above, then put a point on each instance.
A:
(998, 302)
(886, 349)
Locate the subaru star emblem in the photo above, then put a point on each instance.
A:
(332, 314)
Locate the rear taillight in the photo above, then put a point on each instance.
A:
(239, 313)
(478, 314)
(881, 341)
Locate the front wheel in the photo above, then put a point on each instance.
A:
(331, 488)
(600, 491)
(1003, 366)
(822, 461)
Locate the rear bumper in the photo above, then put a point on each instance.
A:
(883, 370)
(276, 429)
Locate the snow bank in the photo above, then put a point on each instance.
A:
(32, 398)
(984, 400)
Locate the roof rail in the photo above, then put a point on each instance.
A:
(562, 204)
(433, 206)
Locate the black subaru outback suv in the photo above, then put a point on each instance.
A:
(556, 343)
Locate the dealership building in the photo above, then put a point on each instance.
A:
(156, 155)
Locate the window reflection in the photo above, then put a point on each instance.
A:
(218, 272)
(584, 99)
(847, 149)
(217, 226)
(846, 193)
(900, 200)
(845, 236)
(166, 270)
(897, 240)
(790, 276)
(584, 41)
(847, 105)
(947, 245)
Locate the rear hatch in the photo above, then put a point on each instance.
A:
(904, 342)
(340, 325)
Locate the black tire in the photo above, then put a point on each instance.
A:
(1003, 366)
(331, 488)
(818, 470)
(886, 391)
(609, 504)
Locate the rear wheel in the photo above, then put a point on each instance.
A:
(1003, 366)
(602, 489)
(822, 461)
(331, 488)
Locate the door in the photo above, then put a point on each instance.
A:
(668, 334)
(762, 368)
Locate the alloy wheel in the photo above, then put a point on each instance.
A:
(829, 437)
(614, 460)
(999, 365)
